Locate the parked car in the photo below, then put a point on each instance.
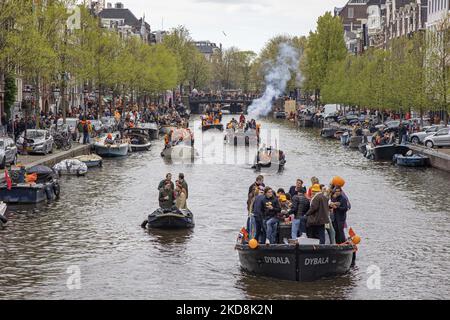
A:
(419, 137)
(438, 139)
(36, 141)
(8, 152)
(73, 126)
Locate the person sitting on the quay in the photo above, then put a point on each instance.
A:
(317, 215)
(168, 179)
(339, 206)
(297, 189)
(184, 184)
(272, 215)
(166, 196)
(300, 206)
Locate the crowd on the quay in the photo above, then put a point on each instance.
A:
(312, 211)
(219, 95)
(87, 119)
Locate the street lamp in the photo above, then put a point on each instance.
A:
(56, 95)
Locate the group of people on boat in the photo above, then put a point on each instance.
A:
(178, 136)
(211, 118)
(173, 194)
(243, 124)
(311, 211)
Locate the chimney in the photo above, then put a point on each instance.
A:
(109, 5)
(119, 5)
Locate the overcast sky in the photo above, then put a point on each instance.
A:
(248, 24)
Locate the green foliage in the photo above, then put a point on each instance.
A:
(10, 93)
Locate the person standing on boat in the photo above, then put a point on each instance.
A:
(272, 215)
(168, 179)
(318, 215)
(166, 196)
(251, 190)
(259, 226)
(184, 184)
(181, 197)
(339, 205)
(300, 206)
(297, 189)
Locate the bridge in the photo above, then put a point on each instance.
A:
(237, 105)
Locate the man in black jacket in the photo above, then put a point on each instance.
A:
(300, 206)
(272, 214)
(251, 190)
(339, 205)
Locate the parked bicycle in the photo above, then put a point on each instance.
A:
(63, 141)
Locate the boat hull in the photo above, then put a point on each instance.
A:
(141, 148)
(213, 127)
(355, 142)
(171, 221)
(111, 152)
(328, 133)
(297, 263)
(414, 161)
(386, 153)
(26, 194)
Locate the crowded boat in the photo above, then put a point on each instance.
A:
(243, 132)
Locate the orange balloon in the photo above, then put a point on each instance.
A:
(356, 240)
(253, 244)
(338, 182)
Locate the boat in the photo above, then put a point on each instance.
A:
(91, 160)
(180, 152)
(328, 132)
(45, 188)
(345, 139)
(306, 121)
(240, 137)
(411, 160)
(280, 115)
(167, 128)
(3, 219)
(268, 157)
(151, 127)
(386, 152)
(355, 142)
(139, 139)
(71, 167)
(171, 219)
(217, 126)
(119, 149)
(302, 263)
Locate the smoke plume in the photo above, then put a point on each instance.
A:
(278, 75)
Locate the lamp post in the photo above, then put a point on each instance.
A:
(27, 94)
(85, 93)
(56, 95)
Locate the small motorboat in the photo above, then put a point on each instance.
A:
(151, 127)
(171, 219)
(355, 142)
(180, 152)
(241, 137)
(301, 260)
(167, 128)
(411, 160)
(139, 140)
(280, 115)
(45, 187)
(217, 126)
(91, 160)
(72, 167)
(268, 157)
(345, 138)
(3, 219)
(301, 263)
(328, 132)
(117, 149)
(386, 152)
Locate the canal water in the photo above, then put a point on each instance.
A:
(93, 232)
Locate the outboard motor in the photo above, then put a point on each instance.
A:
(3, 220)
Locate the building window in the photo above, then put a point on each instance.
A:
(351, 13)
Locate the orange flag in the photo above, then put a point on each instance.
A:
(8, 180)
(351, 233)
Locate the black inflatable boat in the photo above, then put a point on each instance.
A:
(171, 219)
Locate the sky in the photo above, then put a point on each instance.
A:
(246, 24)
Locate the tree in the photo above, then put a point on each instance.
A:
(10, 94)
(325, 46)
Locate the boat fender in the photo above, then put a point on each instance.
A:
(56, 189)
(3, 219)
(49, 192)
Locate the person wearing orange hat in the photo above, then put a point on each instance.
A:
(318, 214)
